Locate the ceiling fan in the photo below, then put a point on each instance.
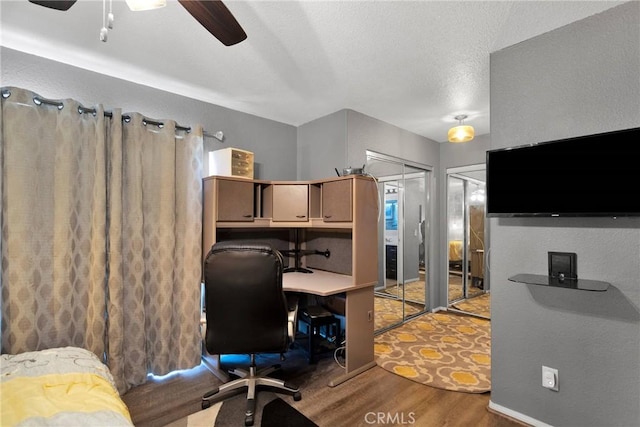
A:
(213, 15)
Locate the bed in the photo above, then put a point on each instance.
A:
(65, 386)
(455, 254)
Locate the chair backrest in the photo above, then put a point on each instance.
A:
(246, 308)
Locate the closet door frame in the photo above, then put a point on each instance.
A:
(461, 173)
(426, 211)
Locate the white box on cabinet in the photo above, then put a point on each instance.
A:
(231, 162)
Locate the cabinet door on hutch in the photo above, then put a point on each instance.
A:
(235, 200)
(337, 201)
(290, 202)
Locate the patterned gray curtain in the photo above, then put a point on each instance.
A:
(101, 236)
(155, 245)
(53, 224)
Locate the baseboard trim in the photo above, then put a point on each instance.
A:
(455, 310)
(510, 413)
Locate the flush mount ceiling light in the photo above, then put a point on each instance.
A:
(462, 132)
(137, 5)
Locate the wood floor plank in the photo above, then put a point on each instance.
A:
(375, 395)
(159, 402)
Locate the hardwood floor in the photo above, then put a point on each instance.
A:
(376, 397)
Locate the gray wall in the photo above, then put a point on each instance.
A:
(576, 80)
(464, 154)
(282, 152)
(322, 146)
(273, 143)
(367, 133)
(342, 139)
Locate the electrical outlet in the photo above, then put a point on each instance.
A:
(550, 378)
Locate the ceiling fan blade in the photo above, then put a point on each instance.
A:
(216, 18)
(55, 4)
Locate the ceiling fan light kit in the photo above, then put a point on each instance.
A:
(138, 5)
(57, 5)
(217, 19)
(213, 15)
(462, 132)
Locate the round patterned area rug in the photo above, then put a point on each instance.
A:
(442, 350)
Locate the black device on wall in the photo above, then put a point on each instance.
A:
(563, 265)
(593, 175)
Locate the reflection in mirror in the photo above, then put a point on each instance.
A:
(455, 224)
(402, 286)
(468, 289)
(414, 232)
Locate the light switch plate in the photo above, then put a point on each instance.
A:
(550, 378)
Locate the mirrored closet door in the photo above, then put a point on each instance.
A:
(402, 229)
(466, 240)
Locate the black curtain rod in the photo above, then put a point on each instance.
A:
(127, 118)
(38, 100)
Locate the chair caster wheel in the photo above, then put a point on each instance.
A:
(205, 404)
(248, 420)
(297, 396)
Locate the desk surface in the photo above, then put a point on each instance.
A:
(319, 282)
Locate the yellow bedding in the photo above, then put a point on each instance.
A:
(455, 250)
(63, 386)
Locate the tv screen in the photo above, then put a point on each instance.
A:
(594, 175)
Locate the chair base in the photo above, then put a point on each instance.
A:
(250, 380)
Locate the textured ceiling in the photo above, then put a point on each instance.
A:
(414, 64)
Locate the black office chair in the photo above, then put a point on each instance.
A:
(247, 312)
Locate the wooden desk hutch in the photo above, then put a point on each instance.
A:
(337, 217)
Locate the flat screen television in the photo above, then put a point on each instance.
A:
(593, 175)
